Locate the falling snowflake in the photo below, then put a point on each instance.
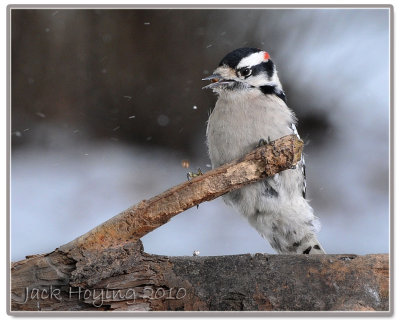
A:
(162, 120)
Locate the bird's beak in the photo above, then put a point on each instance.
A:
(217, 81)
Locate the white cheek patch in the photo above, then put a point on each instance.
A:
(262, 80)
(258, 80)
(253, 59)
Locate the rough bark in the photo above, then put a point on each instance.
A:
(106, 268)
(126, 278)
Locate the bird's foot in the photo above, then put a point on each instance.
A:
(263, 142)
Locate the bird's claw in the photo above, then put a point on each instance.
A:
(263, 142)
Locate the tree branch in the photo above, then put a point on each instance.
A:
(126, 279)
(138, 220)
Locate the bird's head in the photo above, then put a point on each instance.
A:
(243, 69)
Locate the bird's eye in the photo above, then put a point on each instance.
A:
(244, 72)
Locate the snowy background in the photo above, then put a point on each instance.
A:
(106, 104)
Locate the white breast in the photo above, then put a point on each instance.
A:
(240, 120)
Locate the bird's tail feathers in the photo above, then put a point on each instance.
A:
(310, 246)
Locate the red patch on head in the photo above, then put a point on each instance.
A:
(266, 55)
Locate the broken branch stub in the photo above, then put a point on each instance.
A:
(138, 220)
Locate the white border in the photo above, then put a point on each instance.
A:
(153, 4)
